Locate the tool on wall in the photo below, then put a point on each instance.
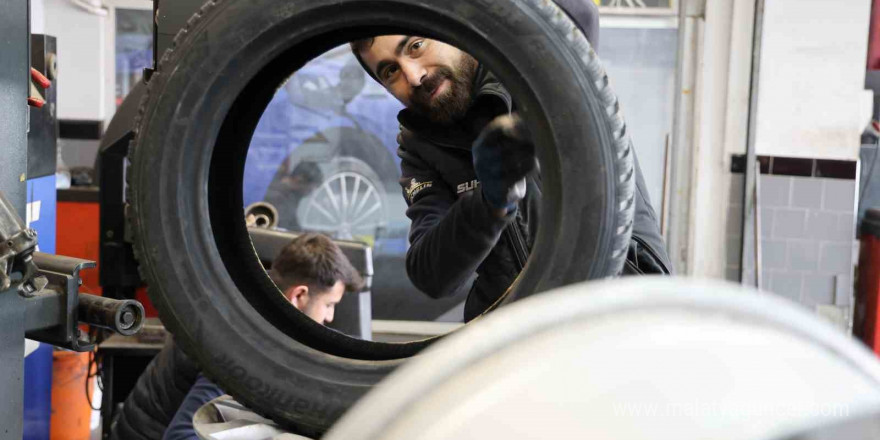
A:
(36, 98)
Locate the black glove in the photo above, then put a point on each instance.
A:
(503, 155)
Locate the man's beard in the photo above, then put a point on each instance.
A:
(454, 102)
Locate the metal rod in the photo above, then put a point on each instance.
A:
(678, 216)
(751, 156)
(125, 317)
(664, 203)
(757, 200)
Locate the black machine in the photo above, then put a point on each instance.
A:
(39, 293)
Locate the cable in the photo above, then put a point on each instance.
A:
(95, 359)
(88, 377)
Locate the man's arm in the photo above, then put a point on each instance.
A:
(181, 426)
(449, 237)
(647, 247)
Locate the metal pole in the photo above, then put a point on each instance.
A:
(12, 314)
(681, 168)
(750, 182)
(14, 90)
(757, 199)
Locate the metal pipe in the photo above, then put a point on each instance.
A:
(262, 215)
(678, 217)
(751, 156)
(125, 317)
(757, 200)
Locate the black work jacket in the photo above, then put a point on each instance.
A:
(455, 241)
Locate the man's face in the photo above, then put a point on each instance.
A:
(319, 306)
(427, 76)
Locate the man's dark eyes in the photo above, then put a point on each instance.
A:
(388, 71)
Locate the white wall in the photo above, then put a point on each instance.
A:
(38, 17)
(81, 60)
(811, 101)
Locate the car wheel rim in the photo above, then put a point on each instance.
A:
(346, 205)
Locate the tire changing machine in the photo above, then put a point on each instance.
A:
(39, 293)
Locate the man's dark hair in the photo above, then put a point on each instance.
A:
(358, 46)
(584, 13)
(315, 261)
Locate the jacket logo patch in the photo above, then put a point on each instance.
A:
(415, 187)
(468, 186)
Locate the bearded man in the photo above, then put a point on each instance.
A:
(469, 174)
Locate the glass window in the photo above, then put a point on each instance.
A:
(134, 48)
(641, 63)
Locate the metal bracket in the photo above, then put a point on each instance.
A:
(49, 285)
(17, 243)
(53, 314)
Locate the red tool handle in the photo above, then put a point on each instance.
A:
(36, 102)
(40, 79)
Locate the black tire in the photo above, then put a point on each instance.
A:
(193, 131)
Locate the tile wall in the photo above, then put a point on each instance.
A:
(807, 237)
